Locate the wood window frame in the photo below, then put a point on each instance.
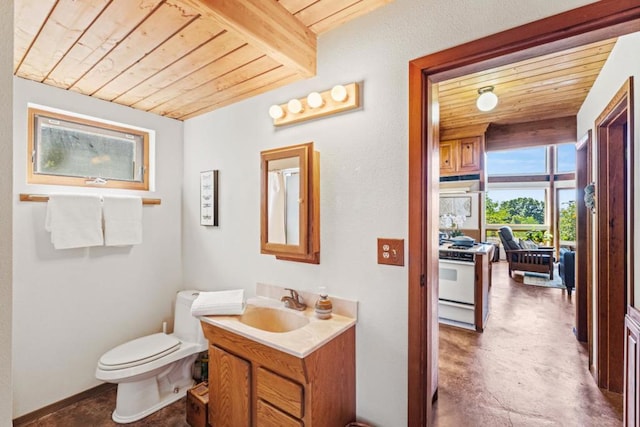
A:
(596, 21)
(42, 178)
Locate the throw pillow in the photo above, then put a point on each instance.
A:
(527, 244)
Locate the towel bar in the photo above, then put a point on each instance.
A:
(24, 197)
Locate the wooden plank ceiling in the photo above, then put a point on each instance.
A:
(175, 58)
(541, 88)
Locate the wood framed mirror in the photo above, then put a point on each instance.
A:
(290, 203)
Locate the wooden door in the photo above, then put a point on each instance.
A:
(229, 389)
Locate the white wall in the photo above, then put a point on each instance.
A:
(364, 174)
(6, 170)
(622, 63)
(70, 306)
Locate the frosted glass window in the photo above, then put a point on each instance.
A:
(71, 151)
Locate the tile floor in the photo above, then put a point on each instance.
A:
(526, 369)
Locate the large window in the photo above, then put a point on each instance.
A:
(524, 161)
(67, 150)
(522, 187)
(515, 206)
(567, 215)
(566, 158)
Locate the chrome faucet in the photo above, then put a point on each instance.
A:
(294, 301)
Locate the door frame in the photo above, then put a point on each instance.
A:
(584, 243)
(597, 21)
(614, 126)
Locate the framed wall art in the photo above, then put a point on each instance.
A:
(209, 198)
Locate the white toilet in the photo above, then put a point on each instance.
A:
(154, 371)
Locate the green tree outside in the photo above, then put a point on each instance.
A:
(521, 210)
(568, 221)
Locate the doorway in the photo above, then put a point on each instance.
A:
(603, 19)
(614, 199)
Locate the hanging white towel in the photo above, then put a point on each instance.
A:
(218, 303)
(75, 221)
(122, 220)
(276, 209)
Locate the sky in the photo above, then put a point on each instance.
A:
(527, 161)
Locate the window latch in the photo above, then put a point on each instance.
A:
(96, 181)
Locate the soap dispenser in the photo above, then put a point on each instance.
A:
(323, 307)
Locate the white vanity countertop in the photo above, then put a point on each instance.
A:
(300, 342)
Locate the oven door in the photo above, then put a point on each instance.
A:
(457, 281)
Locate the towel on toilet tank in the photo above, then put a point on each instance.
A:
(74, 220)
(225, 303)
(122, 220)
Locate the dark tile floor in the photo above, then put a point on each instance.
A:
(526, 369)
(96, 412)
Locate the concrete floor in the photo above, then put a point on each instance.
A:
(526, 369)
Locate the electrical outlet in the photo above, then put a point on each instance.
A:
(391, 251)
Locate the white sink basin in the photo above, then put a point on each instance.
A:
(272, 319)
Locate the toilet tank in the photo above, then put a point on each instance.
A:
(185, 326)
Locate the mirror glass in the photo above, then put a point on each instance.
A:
(290, 204)
(283, 195)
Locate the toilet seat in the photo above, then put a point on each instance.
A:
(139, 351)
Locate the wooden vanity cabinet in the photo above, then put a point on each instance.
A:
(461, 156)
(251, 384)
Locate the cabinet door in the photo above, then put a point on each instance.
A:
(469, 155)
(229, 389)
(447, 157)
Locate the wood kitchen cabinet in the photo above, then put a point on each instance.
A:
(252, 384)
(461, 156)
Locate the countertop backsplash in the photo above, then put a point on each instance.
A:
(341, 306)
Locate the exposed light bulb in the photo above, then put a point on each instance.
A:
(314, 100)
(294, 106)
(276, 112)
(339, 93)
(487, 100)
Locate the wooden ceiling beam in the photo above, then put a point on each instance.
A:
(270, 27)
(552, 131)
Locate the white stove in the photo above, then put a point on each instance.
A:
(457, 284)
(453, 252)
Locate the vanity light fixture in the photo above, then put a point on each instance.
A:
(339, 93)
(314, 100)
(487, 100)
(295, 106)
(276, 112)
(316, 104)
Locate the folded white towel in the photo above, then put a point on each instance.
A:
(122, 220)
(74, 220)
(218, 303)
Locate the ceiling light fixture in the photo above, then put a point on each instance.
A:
(487, 100)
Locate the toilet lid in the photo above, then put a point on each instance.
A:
(139, 351)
